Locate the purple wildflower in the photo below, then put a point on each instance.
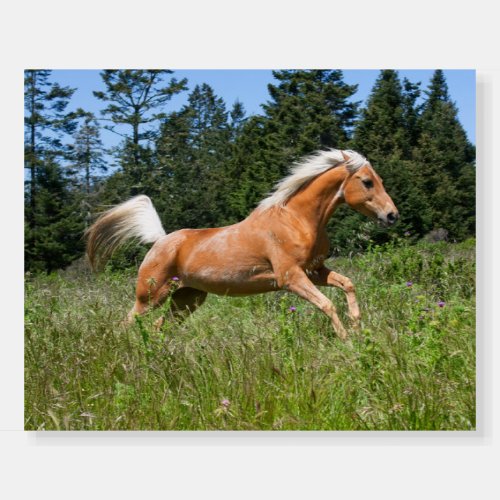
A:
(225, 403)
(292, 309)
(175, 278)
(441, 303)
(407, 233)
(409, 283)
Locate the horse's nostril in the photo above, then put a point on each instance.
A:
(391, 217)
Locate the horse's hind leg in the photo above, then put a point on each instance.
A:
(185, 301)
(154, 283)
(149, 295)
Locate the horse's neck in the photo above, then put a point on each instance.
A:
(320, 198)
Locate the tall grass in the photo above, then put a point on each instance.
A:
(252, 363)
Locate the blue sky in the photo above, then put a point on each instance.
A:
(250, 87)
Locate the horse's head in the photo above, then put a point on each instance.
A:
(364, 192)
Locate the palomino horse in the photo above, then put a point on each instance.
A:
(281, 245)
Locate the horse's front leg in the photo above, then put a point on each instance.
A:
(327, 277)
(295, 280)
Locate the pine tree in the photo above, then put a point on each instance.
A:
(135, 99)
(446, 163)
(437, 91)
(237, 119)
(58, 223)
(381, 132)
(310, 110)
(45, 122)
(87, 161)
(255, 166)
(411, 110)
(192, 152)
(439, 121)
(88, 152)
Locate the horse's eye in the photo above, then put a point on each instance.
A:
(368, 183)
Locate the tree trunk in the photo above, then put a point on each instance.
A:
(87, 168)
(136, 138)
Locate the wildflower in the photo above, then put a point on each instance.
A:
(409, 283)
(292, 309)
(441, 303)
(175, 278)
(225, 403)
(407, 233)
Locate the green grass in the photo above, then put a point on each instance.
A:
(410, 367)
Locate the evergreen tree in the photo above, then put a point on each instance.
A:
(437, 91)
(58, 224)
(87, 162)
(446, 163)
(411, 110)
(381, 132)
(439, 120)
(237, 119)
(192, 152)
(88, 152)
(45, 122)
(134, 99)
(231, 206)
(309, 110)
(254, 167)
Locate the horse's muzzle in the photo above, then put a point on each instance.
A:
(392, 217)
(388, 219)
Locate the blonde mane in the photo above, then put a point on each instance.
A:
(309, 168)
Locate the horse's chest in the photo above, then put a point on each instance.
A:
(313, 255)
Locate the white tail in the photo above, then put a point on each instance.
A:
(135, 219)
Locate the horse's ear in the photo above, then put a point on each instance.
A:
(346, 158)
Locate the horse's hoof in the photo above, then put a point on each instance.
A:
(342, 335)
(356, 324)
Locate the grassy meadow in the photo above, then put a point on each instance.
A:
(253, 363)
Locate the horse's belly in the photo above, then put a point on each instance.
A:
(231, 282)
